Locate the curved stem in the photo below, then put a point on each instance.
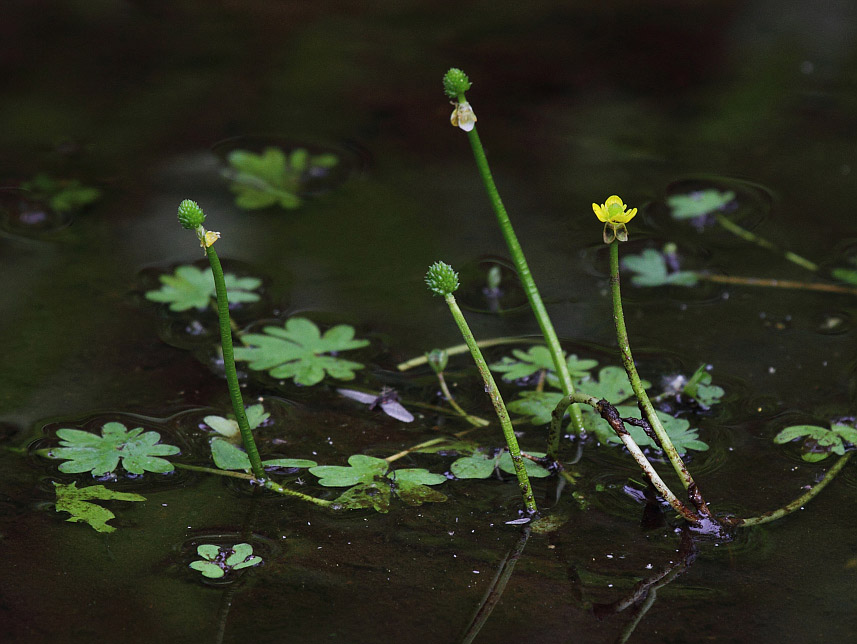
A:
(753, 238)
(473, 420)
(608, 412)
(798, 503)
(229, 365)
(631, 369)
(463, 348)
(529, 285)
(499, 405)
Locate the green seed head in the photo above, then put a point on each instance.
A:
(441, 279)
(190, 214)
(455, 82)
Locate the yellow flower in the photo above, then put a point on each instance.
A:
(207, 237)
(615, 215)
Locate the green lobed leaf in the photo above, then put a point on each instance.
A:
(612, 385)
(139, 451)
(208, 551)
(846, 432)
(678, 429)
(417, 493)
(228, 456)
(534, 470)
(798, 431)
(299, 351)
(698, 203)
(190, 287)
(77, 503)
(262, 180)
(63, 195)
(650, 269)
(361, 468)
(537, 406)
(208, 569)
(477, 466)
(523, 364)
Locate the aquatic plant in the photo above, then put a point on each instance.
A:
(228, 427)
(140, 451)
(273, 177)
(192, 288)
(298, 350)
(371, 483)
(191, 217)
(442, 280)
(217, 561)
(819, 442)
(455, 84)
(62, 195)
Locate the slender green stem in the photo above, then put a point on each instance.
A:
(529, 285)
(753, 238)
(463, 348)
(279, 489)
(499, 405)
(775, 283)
(609, 413)
(634, 377)
(799, 502)
(214, 470)
(229, 365)
(473, 420)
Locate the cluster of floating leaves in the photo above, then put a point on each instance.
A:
(819, 442)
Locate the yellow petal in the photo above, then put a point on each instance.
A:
(599, 212)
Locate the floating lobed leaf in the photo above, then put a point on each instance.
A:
(361, 468)
(650, 268)
(678, 429)
(699, 203)
(273, 177)
(63, 195)
(77, 503)
(819, 442)
(476, 466)
(523, 364)
(299, 351)
(533, 469)
(256, 415)
(228, 456)
(139, 451)
(536, 406)
(190, 287)
(699, 388)
(612, 385)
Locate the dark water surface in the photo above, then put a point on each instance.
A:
(576, 101)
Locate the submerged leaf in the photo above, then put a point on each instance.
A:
(139, 451)
(63, 195)
(191, 287)
(536, 405)
(612, 385)
(76, 503)
(298, 350)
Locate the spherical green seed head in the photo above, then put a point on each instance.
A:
(190, 214)
(455, 82)
(441, 279)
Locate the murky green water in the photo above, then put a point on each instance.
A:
(574, 104)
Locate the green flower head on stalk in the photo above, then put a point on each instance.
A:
(441, 279)
(191, 217)
(615, 215)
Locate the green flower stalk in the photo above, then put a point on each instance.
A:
(613, 212)
(455, 84)
(190, 216)
(443, 281)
